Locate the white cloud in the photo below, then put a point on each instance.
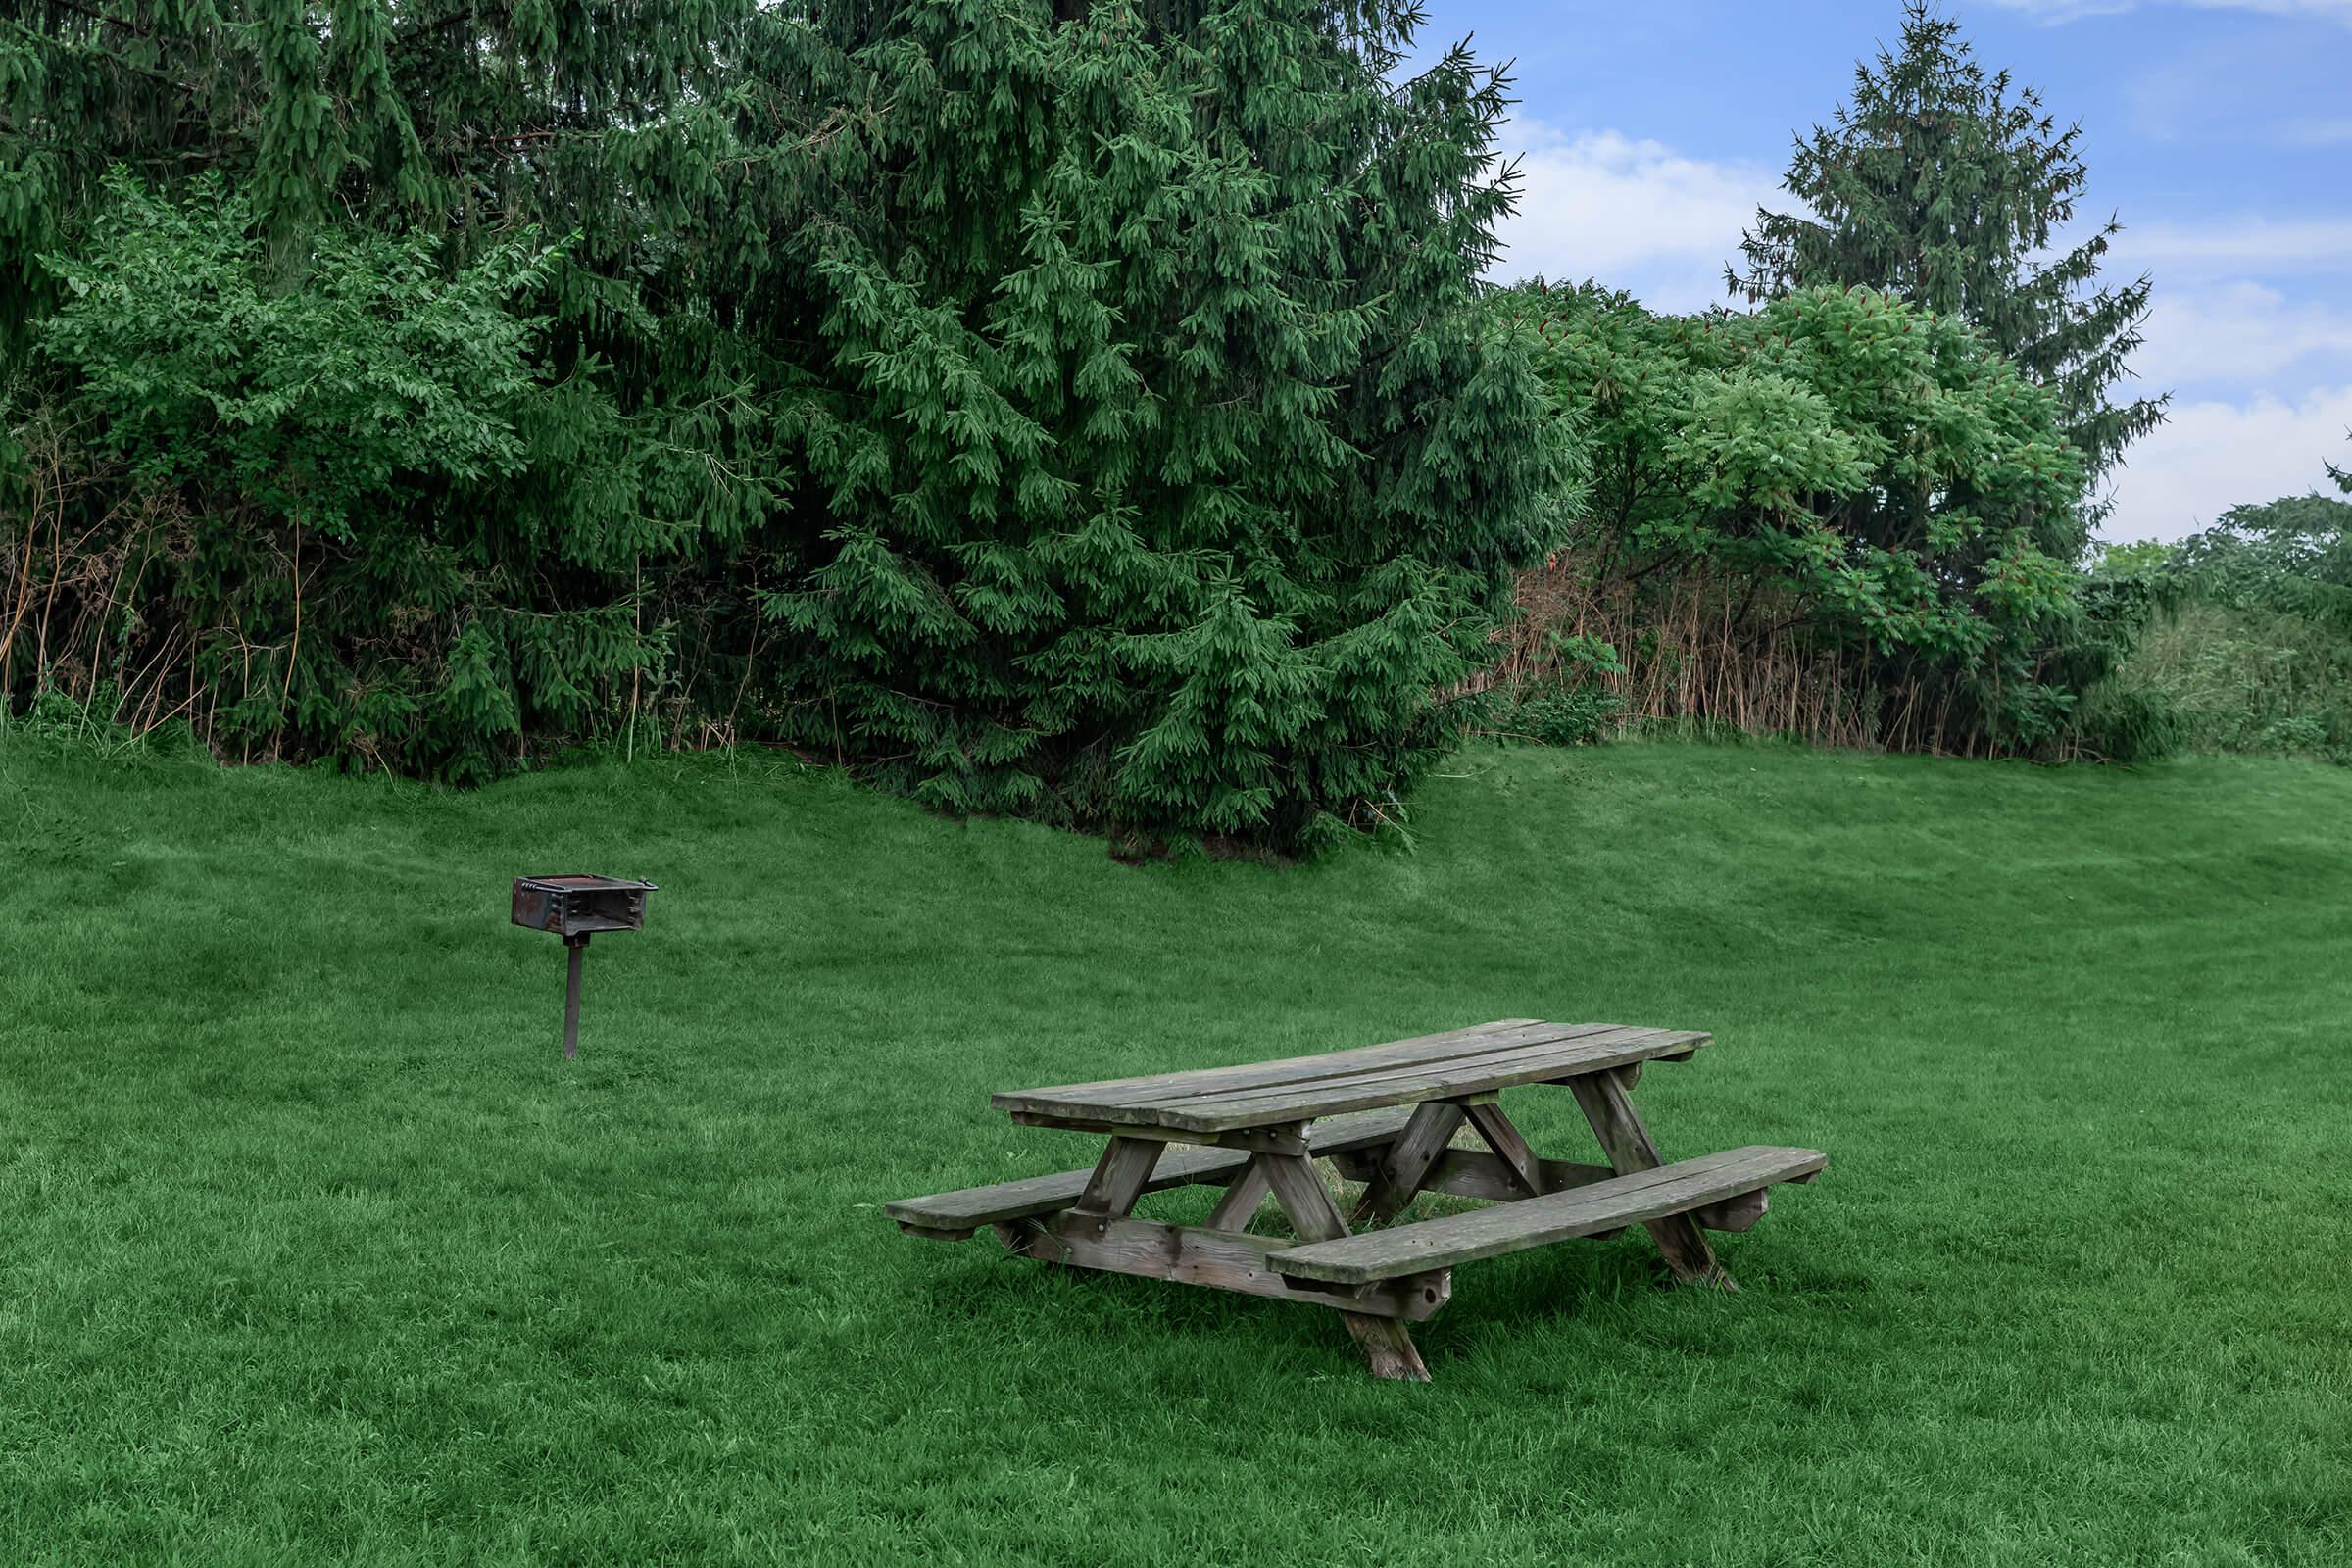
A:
(2242, 245)
(2211, 456)
(1635, 214)
(2326, 9)
(2240, 332)
(2055, 11)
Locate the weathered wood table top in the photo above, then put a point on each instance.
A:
(1483, 1059)
(1387, 1117)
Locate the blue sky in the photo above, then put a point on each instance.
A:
(2219, 131)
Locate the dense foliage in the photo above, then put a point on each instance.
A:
(1943, 184)
(295, 449)
(350, 181)
(1860, 484)
(1069, 410)
(2292, 555)
(2254, 653)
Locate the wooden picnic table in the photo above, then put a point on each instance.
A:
(1385, 1115)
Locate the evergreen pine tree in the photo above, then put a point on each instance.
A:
(1947, 186)
(1163, 470)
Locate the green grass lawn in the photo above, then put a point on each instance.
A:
(312, 1247)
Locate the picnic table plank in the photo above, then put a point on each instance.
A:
(1542, 1063)
(1283, 1069)
(1225, 1107)
(1481, 1233)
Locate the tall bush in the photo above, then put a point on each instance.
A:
(298, 560)
(1168, 470)
(1841, 514)
(2254, 652)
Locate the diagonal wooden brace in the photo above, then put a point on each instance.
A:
(1119, 1177)
(1241, 1199)
(1502, 1136)
(1606, 1105)
(1410, 1158)
(1387, 1345)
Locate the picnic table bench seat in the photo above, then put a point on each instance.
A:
(1600, 1208)
(1402, 1118)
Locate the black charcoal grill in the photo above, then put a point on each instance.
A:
(576, 905)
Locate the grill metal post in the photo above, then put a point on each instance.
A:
(575, 906)
(579, 946)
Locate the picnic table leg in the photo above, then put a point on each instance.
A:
(1629, 1149)
(1387, 1345)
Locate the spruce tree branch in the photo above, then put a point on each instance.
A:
(89, 48)
(127, 25)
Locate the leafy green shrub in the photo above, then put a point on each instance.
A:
(2254, 650)
(2292, 555)
(56, 717)
(2113, 719)
(1839, 465)
(2250, 680)
(1561, 714)
(318, 548)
